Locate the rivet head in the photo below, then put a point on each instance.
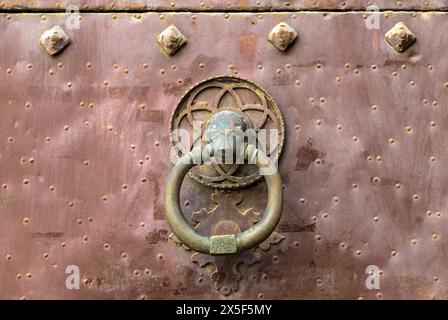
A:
(171, 40)
(54, 40)
(400, 37)
(282, 36)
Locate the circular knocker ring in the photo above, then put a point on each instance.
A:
(223, 244)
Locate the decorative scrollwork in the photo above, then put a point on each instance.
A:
(206, 98)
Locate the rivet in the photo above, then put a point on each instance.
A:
(374, 107)
(379, 158)
(338, 78)
(145, 66)
(8, 257)
(160, 256)
(124, 186)
(124, 255)
(432, 158)
(339, 126)
(369, 158)
(355, 185)
(415, 196)
(71, 204)
(379, 295)
(435, 279)
(26, 220)
(428, 213)
(408, 129)
(355, 139)
(157, 143)
(335, 199)
(435, 236)
(358, 252)
(318, 122)
(143, 180)
(106, 246)
(343, 245)
(79, 221)
(104, 198)
(412, 83)
(394, 253)
(126, 70)
(19, 276)
(260, 295)
(86, 162)
(414, 241)
(45, 255)
(397, 185)
(26, 181)
(432, 124)
(136, 273)
(63, 244)
(438, 214)
(376, 219)
(318, 237)
(90, 219)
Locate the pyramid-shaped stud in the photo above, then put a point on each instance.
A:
(400, 37)
(282, 36)
(54, 40)
(171, 40)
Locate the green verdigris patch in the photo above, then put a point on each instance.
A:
(223, 244)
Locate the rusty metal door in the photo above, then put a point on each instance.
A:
(91, 92)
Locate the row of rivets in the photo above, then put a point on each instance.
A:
(281, 37)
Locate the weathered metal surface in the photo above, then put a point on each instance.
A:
(222, 5)
(85, 148)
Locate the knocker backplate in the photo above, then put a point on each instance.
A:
(226, 93)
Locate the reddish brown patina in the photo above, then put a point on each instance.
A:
(85, 152)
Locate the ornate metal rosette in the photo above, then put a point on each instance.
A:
(225, 93)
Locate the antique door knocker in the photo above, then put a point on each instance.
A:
(225, 137)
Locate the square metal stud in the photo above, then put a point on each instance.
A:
(223, 244)
(54, 40)
(171, 40)
(400, 37)
(282, 36)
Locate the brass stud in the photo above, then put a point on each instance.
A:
(171, 40)
(282, 36)
(54, 40)
(400, 37)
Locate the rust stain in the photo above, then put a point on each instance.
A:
(305, 156)
(156, 236)
(46, 235)
(150, 115)
(295, 227)
(248, 46)
(176, 88)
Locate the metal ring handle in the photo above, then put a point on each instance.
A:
(222, 244)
